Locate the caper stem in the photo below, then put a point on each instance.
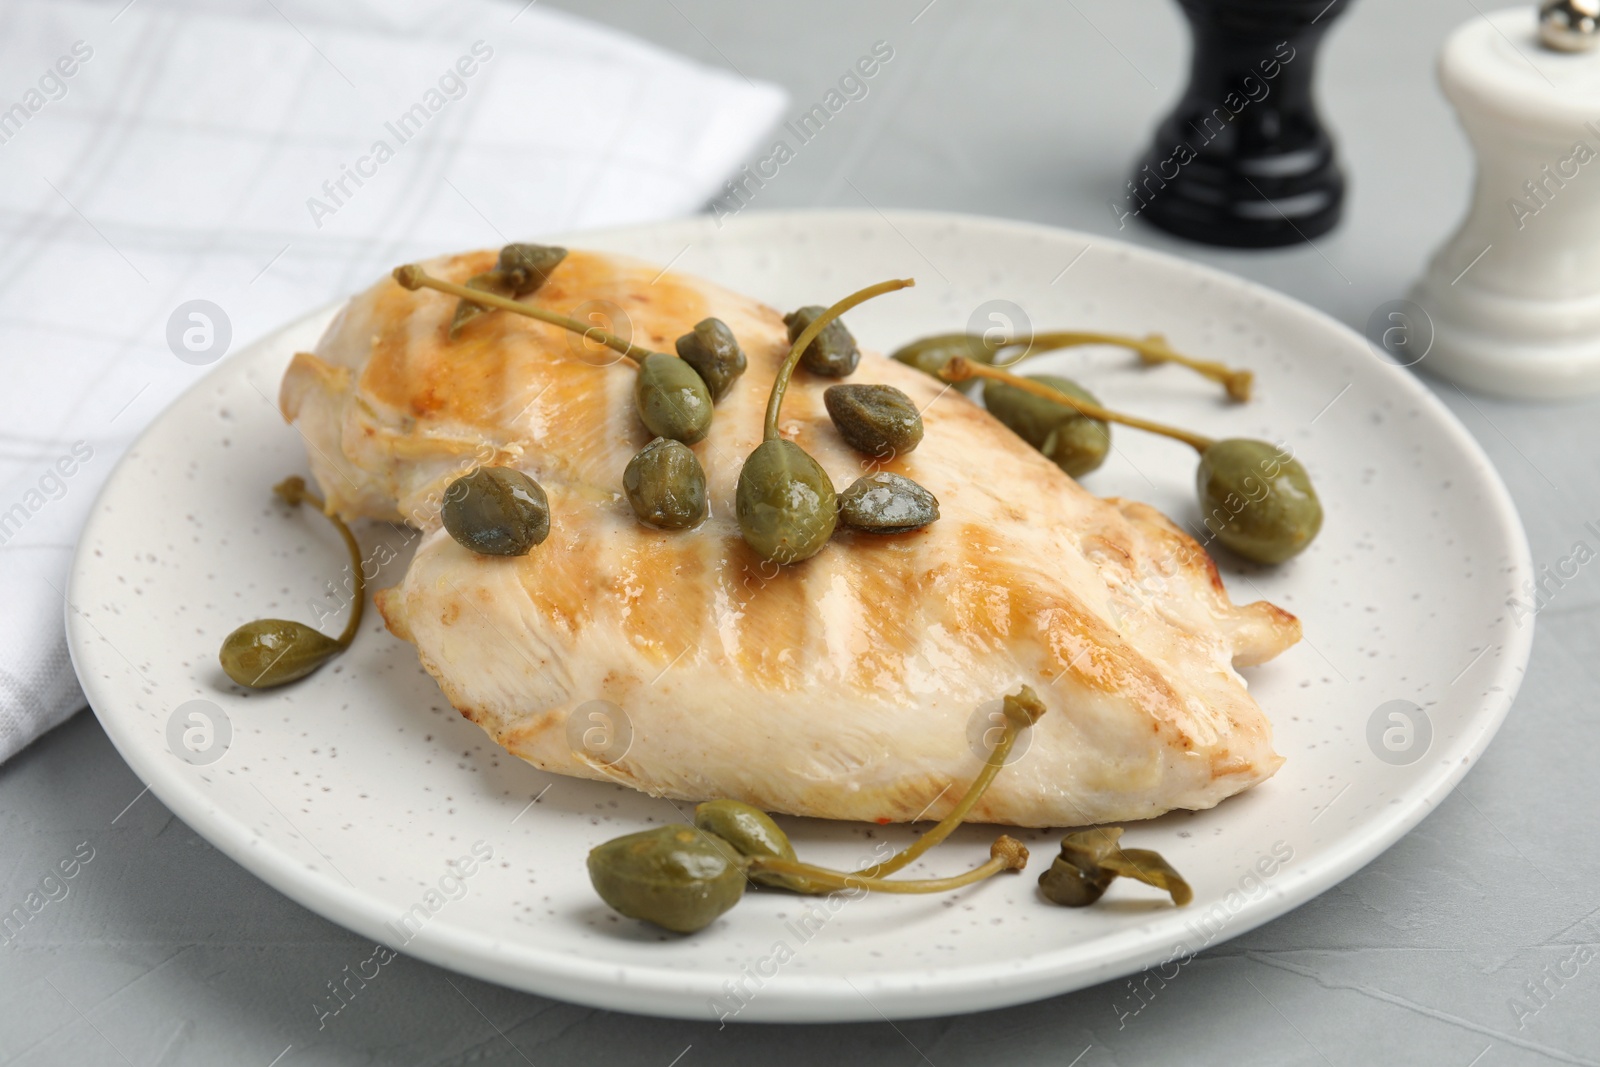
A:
(1152, 349)
(293, 491)
(780, 384)
(823, 880)
(961, 368)
(414, 277)
(947, 825)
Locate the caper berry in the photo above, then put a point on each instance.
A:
(666, 486)
(1075, 443)
(879, 420)
(785, 502)
(930, 354)
(833, 353)
(520, 270)
(1257, 499)
(714, 353)
(496, 511)
(745, 827)
(751, 831)
(675, 876)
(886, 503)
(528, 266)
(1092, 859)
(269, 652)
(673, 400)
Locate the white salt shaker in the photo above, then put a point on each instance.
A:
(1514, 295)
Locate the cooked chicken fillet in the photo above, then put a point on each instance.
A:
(853, 685)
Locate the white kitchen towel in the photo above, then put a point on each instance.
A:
(268, 156)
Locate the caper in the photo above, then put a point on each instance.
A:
(751, 831)
(1092, 859)
(714, 353)
(675, 876)
(1078, 446)
(930, 354)
(745, 827)
(886, 503)
(496, 511)
(785, 502)
(833, 353)
(528, 266)
(879, 420)
(673, 400)
(520, 270)
(1257, 499)
(682, 877)
(269, 652)
(1075, 878)
(1075, 443)
(666, 486)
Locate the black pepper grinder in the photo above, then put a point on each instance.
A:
(1244, 159)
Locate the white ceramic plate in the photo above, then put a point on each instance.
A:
(352, 791)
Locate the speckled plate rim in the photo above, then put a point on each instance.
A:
(667, 991)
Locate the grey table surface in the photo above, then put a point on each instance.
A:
(166, 952)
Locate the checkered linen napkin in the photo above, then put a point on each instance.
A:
(268, 156)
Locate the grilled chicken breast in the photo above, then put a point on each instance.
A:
(855, 685)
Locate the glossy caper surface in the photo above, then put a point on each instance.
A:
(745, 827)
(496, 511)
(930, 354)
(879, 420)
(886, 503)
(672, 399)
(714, 353)
(676, 876)
(269, 652)
(1075, 443)
(666, 486)
(833, 353)
(785, 502)
(1257, 499)
(751, 831)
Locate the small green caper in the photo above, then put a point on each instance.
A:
(528, 266)
(666, 486)
(833, 354)
(1075, 443)
(1257, 499)
(751, 831)
(520, 270)
(785, 502)
(673, 400)
(1092, 859)
(886, 503)
(269, 652)
(930, 354)
(496, 511)
(1071, 886)
(675, 876)
(714, 353)
(879, 420)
